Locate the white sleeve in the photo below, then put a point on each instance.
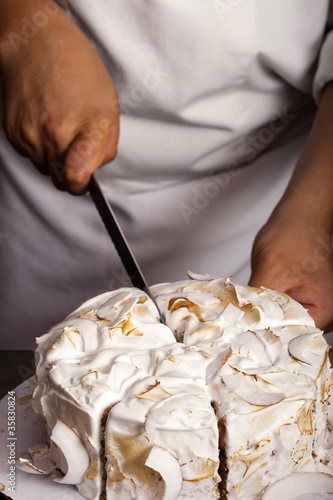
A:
(324, 72)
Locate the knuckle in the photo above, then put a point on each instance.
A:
(105, 125)
(112, 143)
(111, 152)
(55, 130)
(10, 131)
(85, 148)
(27, 132)
(15, 139)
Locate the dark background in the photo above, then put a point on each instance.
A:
(15, 367)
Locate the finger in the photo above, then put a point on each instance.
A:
(317, 303)
(282, 282)
(315, 300)
(262, 277)
(57, 172)
(275, 271)
(111, 129)
(86, 153)
(22, 138)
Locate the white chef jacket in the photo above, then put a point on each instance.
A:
(216, 101)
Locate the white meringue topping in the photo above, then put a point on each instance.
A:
(238, 376)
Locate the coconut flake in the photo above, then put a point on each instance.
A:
(43, 462)
(300, 483)
(26, 466)
(239, 385)
(249, 366)
(71, 447)
(109, 312)
(247, 344)
(215, 365)
(231, 315)
(166, 464)
(309, 348)
(199, 277)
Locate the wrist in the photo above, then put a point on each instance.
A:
(302, 214)
(308, 199)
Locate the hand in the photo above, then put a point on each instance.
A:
(293, 251)
(296, 258)
(61, 107)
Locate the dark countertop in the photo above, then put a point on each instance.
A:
(15, 367)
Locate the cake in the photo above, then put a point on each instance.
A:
(227, 399)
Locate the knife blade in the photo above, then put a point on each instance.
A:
(119, 240)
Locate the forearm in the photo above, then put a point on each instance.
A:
(11, 12)
(22, 21)
(293, 251)
(309, 196)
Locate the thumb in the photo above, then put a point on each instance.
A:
(283, 281)
(263, 276)
(278, 276)
(84, 156)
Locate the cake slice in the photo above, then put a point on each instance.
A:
(162, 441)
(83, 369)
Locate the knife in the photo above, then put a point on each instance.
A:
(118, 238)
